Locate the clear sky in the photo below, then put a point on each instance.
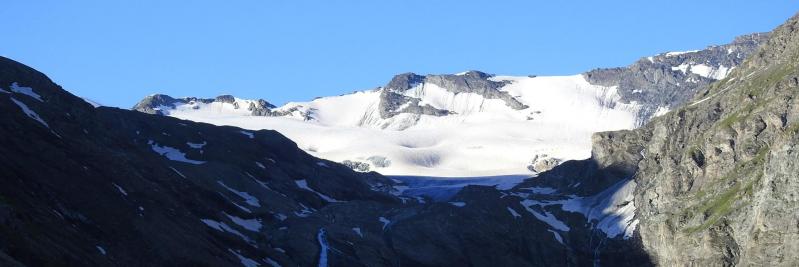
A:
(116, 52)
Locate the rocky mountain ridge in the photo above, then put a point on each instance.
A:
(671, 79)
(418, 124)
(656, 83)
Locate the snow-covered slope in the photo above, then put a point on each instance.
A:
(473, 124)
(482, 137)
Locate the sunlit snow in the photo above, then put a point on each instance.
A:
(484, 138)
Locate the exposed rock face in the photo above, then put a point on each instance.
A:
(542, 163)
(158, 104)
(356, 165)
(392, 101)
(721, 176)
(671, 79)
(154, 103)
(656, 84)
(718, 178)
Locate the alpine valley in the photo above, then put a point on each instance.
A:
(679, 159)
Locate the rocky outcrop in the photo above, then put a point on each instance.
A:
(717, 178)
(356, 165)
(153, 104)
(671, 79)
(159, 104)
(393, 102)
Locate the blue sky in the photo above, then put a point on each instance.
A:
(116, 52)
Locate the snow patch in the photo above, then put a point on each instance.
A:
(661, 111)
(303, 184)
(248, 134)
(357, 231)
(178, 172)
(246, 262)
(305, 211)
(557, 236)
(612, 211)
(540, 190)
(249, 224)
(272, 262)
(222, 227)
(385, 222)
(172, 153)
(514, 213)
(25, 91)
(196, 145)
(119, 188)
(458, 204)
(716, 73)
(547, 217)
(249, 199)
(677, 53)
(91, 102)
(31, 114)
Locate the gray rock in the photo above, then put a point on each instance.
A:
(155, 104)
(392, 102)
(542, 163)
(653, 83)
(717, 178)
(356, 165)
(379, 161)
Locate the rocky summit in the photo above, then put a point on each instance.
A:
(709, 178)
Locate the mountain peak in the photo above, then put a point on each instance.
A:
(160, 103)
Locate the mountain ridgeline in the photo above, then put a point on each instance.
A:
(472, 123)
(658, 82)
(713, 182)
